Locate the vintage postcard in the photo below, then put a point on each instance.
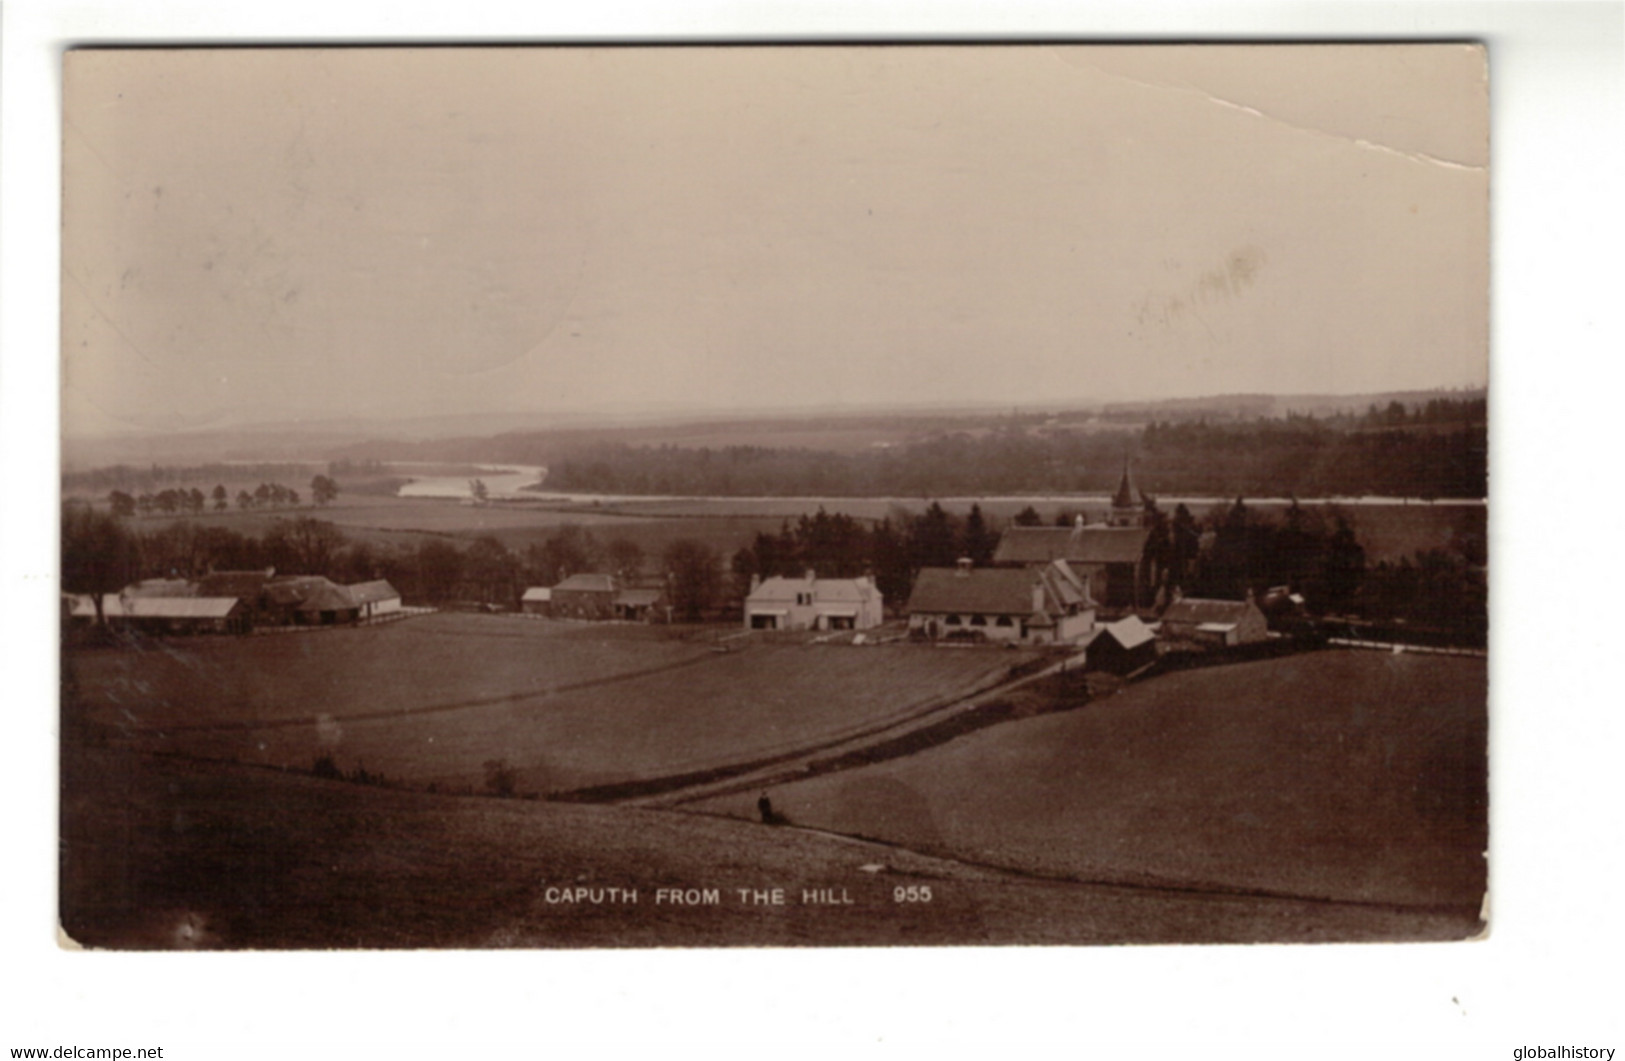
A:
(713, 496)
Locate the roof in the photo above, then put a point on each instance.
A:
(368, 592)
(1082, 545)
(1129, 632)
(161, 587)
(328, 598)
(587, 584)
(1199, 611)
(114, 607)
(310, 593)
(537, 593)
(984, 590)
(824, 590)
(232, 583)
(1124, 498)
(637, 598)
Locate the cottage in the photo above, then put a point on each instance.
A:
(375, 598)
(1121, 647)
(1029, 605)
(813, 603)
(538, 600)
(585, 597)
(1213, 622)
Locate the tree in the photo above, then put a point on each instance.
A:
(1029, 517)
(245, 500)
(439, 569)
(323, 489)
(625, 559)
(219, 495)
(98, 555)
(694, 575)
(979, 539)
(493, 570)
(304, 544)
(121, 503)
(479, 491)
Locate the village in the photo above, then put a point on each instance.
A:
(1090, 589)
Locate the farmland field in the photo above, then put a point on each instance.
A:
(1351, 776)
(430, 700)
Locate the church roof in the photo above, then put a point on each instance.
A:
(1124, 498)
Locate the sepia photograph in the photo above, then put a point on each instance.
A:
(774, 495)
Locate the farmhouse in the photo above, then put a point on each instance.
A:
(375, 598)
(585, 597)
(1121, 647)
(1213, 622)
(1030, 605)
(813, 603)
(538, 600)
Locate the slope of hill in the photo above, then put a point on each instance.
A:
(1342, 775)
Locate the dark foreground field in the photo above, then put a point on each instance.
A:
(1346, 775)
(166, 853)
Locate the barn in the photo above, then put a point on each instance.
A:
(309, 600)
(167, 615)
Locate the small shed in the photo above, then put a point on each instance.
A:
(375, 598)
(1121, 647)
(538, 600)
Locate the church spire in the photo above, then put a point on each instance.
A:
(1124, 498)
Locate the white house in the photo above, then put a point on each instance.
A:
(813, 603)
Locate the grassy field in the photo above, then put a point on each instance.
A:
(430, 700)
(1350, 776)
(172, 854)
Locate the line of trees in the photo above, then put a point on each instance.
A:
(193, 501)
(1225, 553)
(1438, 450)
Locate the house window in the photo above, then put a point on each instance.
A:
(978, 620)
(954, 620)
(1004, 620)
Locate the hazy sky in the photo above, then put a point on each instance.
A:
(256, 235)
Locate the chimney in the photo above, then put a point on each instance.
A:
(1178, 596)
(1038, 595)
(1077, 524)
(964, 567)
(812, 576)
(755, 583)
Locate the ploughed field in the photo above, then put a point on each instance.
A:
(1351, 776)
(430, 701)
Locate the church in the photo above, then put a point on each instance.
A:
(1112, 555)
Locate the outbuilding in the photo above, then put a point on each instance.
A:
(1221, 623)
(375, 598)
